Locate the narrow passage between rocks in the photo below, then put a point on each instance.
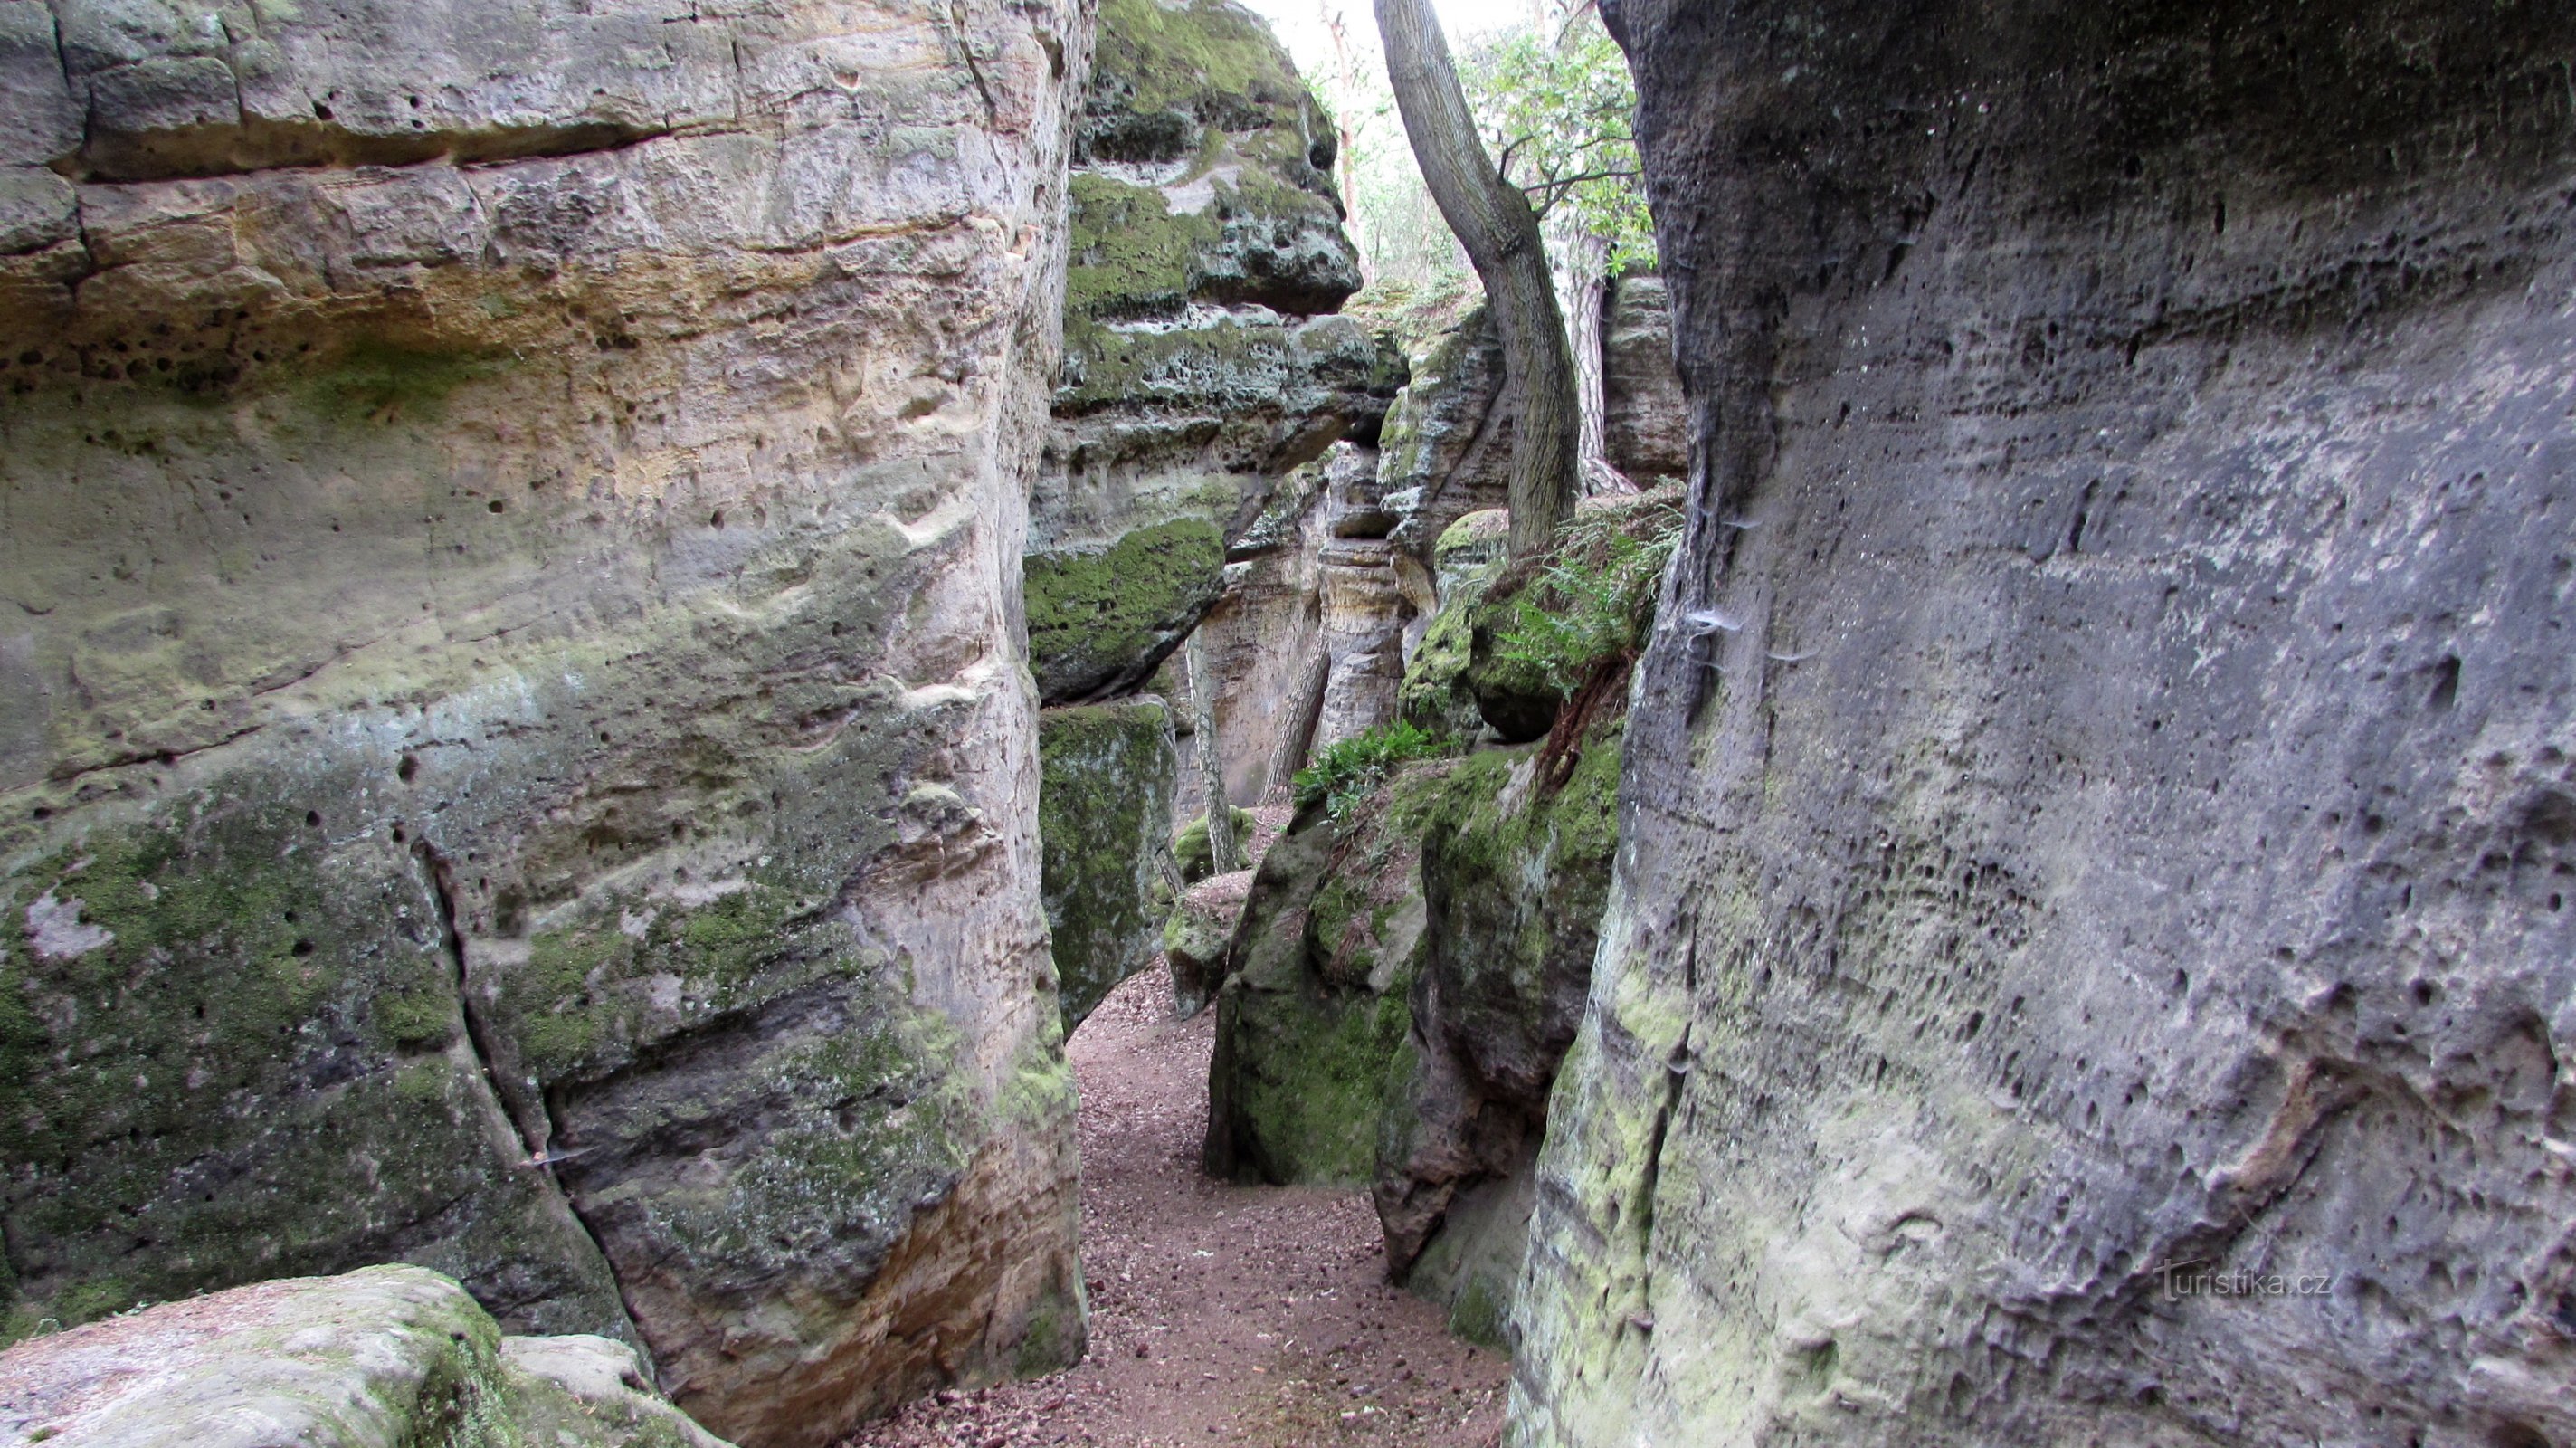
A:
(1219, 1314)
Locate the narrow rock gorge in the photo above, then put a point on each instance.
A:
(513, 726)
(593, 597)
(2098, 810)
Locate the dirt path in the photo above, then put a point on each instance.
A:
(1219, 1314)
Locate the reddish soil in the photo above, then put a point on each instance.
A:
(1219, 1314)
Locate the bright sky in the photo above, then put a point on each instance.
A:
(1298, 21)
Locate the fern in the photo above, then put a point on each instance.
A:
(1592, 605)
(1349, 771)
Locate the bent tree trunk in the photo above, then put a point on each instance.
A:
(1493, 221)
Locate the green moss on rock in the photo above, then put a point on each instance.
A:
(636, 966)
(1099, 618)
(217, 1025)
(1108, 773)
(1316, 1009)
(1191, 850)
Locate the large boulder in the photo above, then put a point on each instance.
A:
(1515, 880)
(1203, 361)
(1197, 935)
(2091, 957)
(513, 651)
(384, 1357)
(1313, 1003)
(1105, 782)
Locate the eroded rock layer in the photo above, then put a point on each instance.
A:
(2105, 810)
(1203, 358)
(520, 658)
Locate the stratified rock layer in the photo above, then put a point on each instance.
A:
(522, 658)
(2106, 809)
(1645, 421)
(1201, 360)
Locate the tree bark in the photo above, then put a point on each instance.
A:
(1306, 701)
(1220, 810)
(1493, 221)
(1581, 262)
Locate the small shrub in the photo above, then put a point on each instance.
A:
(1348, 772)
(1593, 603)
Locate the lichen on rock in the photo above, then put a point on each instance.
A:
(1106, 779)
(2105, 836)
(384, 1357)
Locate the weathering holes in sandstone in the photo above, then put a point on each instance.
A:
(1139, 722)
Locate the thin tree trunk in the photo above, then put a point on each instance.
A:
(1346, 173)
(1220, 810)
(1581, 262)
(1306, 699)
(1493, 221)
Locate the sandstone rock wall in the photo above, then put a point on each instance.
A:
(2114, 810)
(1645, 421)
(513, 526)
(1203, 361)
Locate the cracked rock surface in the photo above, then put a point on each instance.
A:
(510, 651)
(2120, 813)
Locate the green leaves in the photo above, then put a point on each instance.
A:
(1592, 604)
(1348, 772)
(1557, 111)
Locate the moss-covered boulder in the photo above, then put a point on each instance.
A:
(1197, 858)
(1516, 880)
(1553, 629)
(384, 1357)
(1400, 993)
(1107, 776)
(1196, 937)
(1314, 1006)
(1435, 695)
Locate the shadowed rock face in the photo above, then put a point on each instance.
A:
(1105, 822)
(524, 657)
(2129, 821)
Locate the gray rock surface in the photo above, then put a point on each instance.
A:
(523, 656)
(1446, 449)
(1645, 420)
(2121, 815)
(385, 1357)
